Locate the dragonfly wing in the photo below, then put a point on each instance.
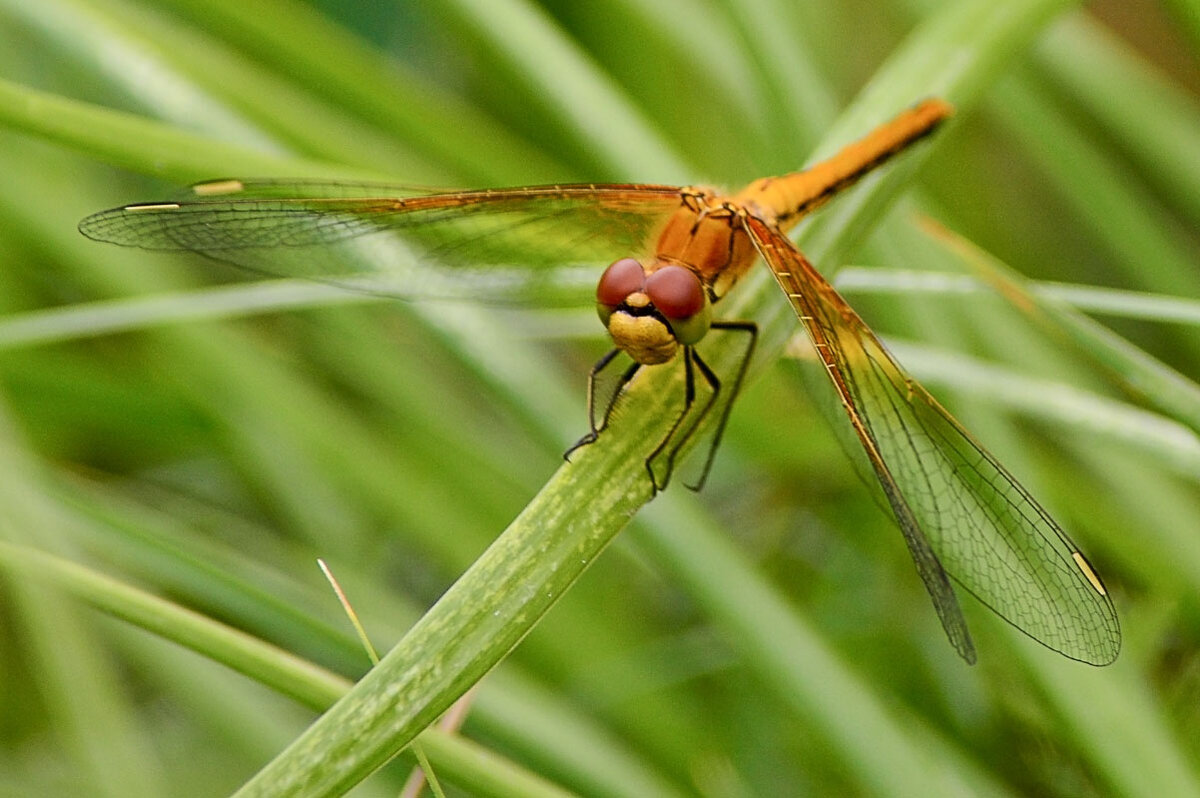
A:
(956, 506)
(487, 245)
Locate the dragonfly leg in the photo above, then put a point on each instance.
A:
(674, 439)
(714, 385)
(593, 374)
(751, 329)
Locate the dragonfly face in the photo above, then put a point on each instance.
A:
(649, 314)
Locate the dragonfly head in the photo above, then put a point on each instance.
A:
(649, 314)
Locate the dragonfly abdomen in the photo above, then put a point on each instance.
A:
(786, 199)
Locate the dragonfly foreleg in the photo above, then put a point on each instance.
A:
(593, 375)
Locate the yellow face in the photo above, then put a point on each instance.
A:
(644, 338)
(649, 314)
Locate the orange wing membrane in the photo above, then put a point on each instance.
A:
(666, 255)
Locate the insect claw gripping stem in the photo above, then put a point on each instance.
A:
(586, 440)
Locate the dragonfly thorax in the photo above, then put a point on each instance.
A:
(650, 312)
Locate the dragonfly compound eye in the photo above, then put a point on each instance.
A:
(619, 281)
(678, 295)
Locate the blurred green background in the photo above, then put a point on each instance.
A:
(186, 432)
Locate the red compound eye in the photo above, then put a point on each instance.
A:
(676, 292)
(619, 281)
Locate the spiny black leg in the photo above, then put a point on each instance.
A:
(597, 367)
(626, 378)
(733, 326)
(595, 371)
(714, 384)
(689, 399)
(673, 441)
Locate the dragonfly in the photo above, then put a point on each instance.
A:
(673, 253)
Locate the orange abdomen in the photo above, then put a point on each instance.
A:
(785, 200)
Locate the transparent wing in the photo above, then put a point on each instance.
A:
(956, 506)
(486, 244)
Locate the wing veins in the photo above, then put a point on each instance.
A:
(1005, 548)
(779, 252)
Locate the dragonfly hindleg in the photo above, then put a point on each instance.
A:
(751, 329)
